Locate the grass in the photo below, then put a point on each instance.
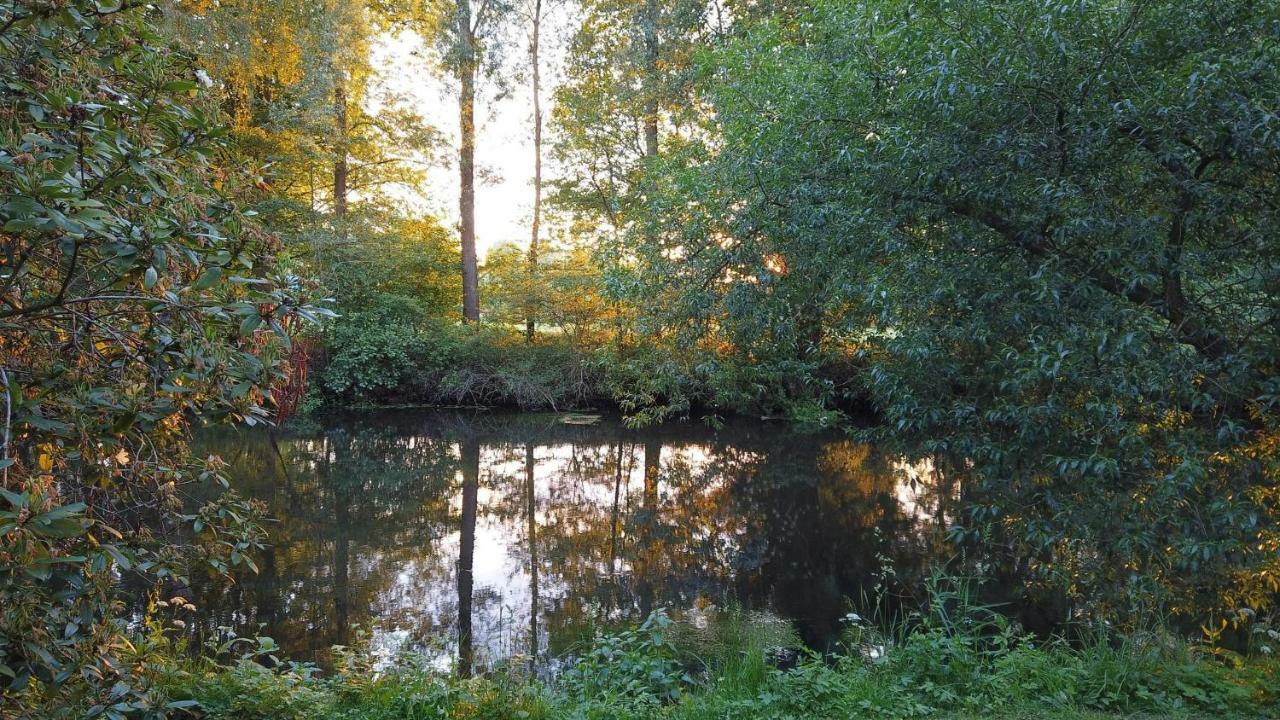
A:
(722, 670)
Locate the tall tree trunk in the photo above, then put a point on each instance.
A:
(537, 161)
(467, 161)
(650, 28)
(470, 456)
(340, 168)
(531, 508)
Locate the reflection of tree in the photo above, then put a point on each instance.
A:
(466, 553)
(593, 525)
(531, 512)
(832, 513)
(650, 545)
(354, 504)
(615, 528)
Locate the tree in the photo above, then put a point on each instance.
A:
(1041, 229)
(466, 77)
(627, 75)
(296, 79)
(467, 48)
(535, 61)
(135, 298)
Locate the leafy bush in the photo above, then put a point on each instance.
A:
(137, 297)
(384, 352)
(390, 352)
(250, 691)
(631, 667)
(497, 367)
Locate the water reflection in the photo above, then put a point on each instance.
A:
(475, 539)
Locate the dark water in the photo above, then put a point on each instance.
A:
(529, 533)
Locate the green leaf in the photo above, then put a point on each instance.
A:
(121, 559)
(181, 86)
(61, 512)
(208, 279)
(16, 500)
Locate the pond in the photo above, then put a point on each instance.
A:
(524, 534)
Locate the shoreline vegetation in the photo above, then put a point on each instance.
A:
(955, 664)
(496, 366)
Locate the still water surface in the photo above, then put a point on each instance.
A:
(527, 533)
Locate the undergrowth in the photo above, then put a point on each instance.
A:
(945, 662)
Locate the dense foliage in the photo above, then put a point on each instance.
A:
(1046, 232)
(136, 297)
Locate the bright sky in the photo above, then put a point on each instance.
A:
(504, 131)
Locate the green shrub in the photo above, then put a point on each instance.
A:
(497, 367)
(384, 352)
(390, 352)
(632, 667)
(250, 691)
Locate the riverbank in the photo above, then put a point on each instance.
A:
(660, 670)
(390, 362)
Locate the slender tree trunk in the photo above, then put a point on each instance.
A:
(531, 508)
(340, 168)
(537, 161)
(470, 456)
(467, 162)
(650, 28)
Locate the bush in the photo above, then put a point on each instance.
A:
(390, 352)
(497, 367)
(250, 691)
(633, 667)
(384, 352)
(138, 298)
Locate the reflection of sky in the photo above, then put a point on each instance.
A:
(724, 510)
(502, 591)
(916, 488)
